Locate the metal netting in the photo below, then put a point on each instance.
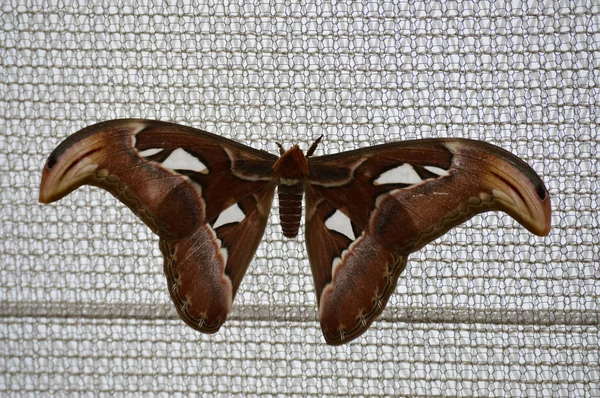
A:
(487, 310)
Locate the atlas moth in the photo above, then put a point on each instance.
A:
(208, 199)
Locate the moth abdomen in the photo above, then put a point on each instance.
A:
(290, 208)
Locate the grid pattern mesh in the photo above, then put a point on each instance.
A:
(487, 310)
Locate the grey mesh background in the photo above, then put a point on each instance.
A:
(487, 310)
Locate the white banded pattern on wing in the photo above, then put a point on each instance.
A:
(339, 222)
(232, 214)
(406, 174)
(403, 174)
(179, 159)
(437, 170)
(151, 151)
(224, 255)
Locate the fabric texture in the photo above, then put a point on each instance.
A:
(487, 310)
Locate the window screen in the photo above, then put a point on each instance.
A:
(487, 310)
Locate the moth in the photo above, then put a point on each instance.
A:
(208, 199)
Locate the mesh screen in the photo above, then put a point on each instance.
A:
(486, 310)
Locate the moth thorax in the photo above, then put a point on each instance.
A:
(292, 165)
(290, 207)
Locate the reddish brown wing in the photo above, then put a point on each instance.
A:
(368, 209)
(208, 198)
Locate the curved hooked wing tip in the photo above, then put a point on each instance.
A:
(515, 187)
(105, 155)
(72, 164)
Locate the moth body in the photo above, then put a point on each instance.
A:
(291, 170)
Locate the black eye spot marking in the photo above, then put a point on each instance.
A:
(541, 191)
(51, 161)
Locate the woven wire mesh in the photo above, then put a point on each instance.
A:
(486, 310)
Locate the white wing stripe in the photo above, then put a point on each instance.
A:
(339, 222)
(179, 159)
(232, 214)
(403, 174)
(150, 152)
(437, 170)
